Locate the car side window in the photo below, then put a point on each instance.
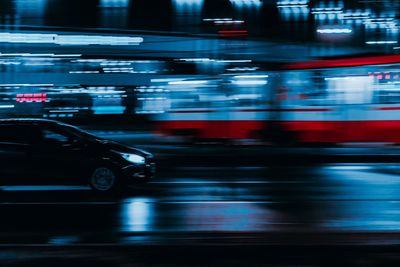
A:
(15, 134)
(52, 136)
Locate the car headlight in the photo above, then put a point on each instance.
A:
(134, 158)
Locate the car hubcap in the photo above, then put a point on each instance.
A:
(103, 179)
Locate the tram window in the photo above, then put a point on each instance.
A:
(203, 98)
(253, 97)
(304, 88)
(351, 89)
(388, 97)
(387, 90)
(327, 87)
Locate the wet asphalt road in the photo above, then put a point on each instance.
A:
(342, 203)
(237, 205)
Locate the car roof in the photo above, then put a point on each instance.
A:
(27, 121)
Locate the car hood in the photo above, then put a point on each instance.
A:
(121, 148)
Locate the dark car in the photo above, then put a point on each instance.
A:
(45, 152)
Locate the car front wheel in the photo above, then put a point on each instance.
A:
(104, 180)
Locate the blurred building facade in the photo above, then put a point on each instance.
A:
(354, 22)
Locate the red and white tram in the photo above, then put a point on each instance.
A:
(323, 101)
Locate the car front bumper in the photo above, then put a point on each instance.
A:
(141, 173)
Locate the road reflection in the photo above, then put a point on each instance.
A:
(138, 215)
(315, 198)
(320, 198)
(366, 198)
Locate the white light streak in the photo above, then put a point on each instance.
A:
(7, 106)
(250, 76)
(250, 82)
(194, 82)
(334, 31)
(381, 42)
(47, 38)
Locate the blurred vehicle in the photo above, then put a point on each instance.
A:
(231, 108)
(341, 100)
(335, 100)
(45, 152)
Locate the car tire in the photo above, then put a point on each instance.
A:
(105, 180)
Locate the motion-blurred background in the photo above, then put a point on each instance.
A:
(206, 70)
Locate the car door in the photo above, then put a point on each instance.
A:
(15, 143)
(59, 156)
